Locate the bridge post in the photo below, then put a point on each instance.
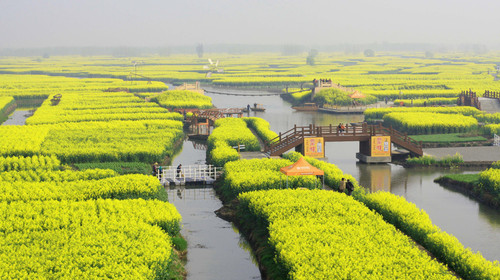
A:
(330, 128)
(295, 128)
(280, 136)
(365, 152)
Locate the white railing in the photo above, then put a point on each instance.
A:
(496, 140)
(191, 173)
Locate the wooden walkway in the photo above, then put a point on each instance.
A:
(295, 137)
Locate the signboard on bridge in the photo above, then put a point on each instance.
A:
(314, 147)
(381, 146)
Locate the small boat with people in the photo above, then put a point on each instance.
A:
(258, 108)
(306, 107)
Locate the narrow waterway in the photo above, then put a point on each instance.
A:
(18, 117)
(216, 250)
(477, 226)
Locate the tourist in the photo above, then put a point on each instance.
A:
(339, 128)
(349, 186)
(155, 168)
(342, 128)
(342, 185)
(179, 170)
(160, 169)
(248, 107)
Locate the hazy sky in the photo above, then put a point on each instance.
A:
(48, 23)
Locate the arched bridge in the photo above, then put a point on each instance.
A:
(362, 133)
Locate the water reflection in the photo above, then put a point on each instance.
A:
(378, 176)
(192, 153)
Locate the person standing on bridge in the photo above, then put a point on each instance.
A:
(248, 108)
(179, 170)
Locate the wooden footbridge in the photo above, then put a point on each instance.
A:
(362, 133)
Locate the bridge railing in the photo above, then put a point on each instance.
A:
(297, 133)
(191, 172)
(491, 94)
(289, 138)
(399, 138)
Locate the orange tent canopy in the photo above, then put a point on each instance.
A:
(357, 94)
(301, 167)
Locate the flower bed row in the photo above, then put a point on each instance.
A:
(261, 174)
(229, 132)
(430, 123)
(121, 239)
(318, 234)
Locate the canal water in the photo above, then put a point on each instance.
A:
(477, 226)
(216, 250)
(18, 117)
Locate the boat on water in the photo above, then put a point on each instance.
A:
(306, 107)
(258, 108)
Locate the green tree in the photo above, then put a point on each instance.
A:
(369, 53)
(311, 58)
(199, 50)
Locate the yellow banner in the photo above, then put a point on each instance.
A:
(314, 147)
(381, 146)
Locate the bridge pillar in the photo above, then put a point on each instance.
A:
(300, 149)
(365, 152)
